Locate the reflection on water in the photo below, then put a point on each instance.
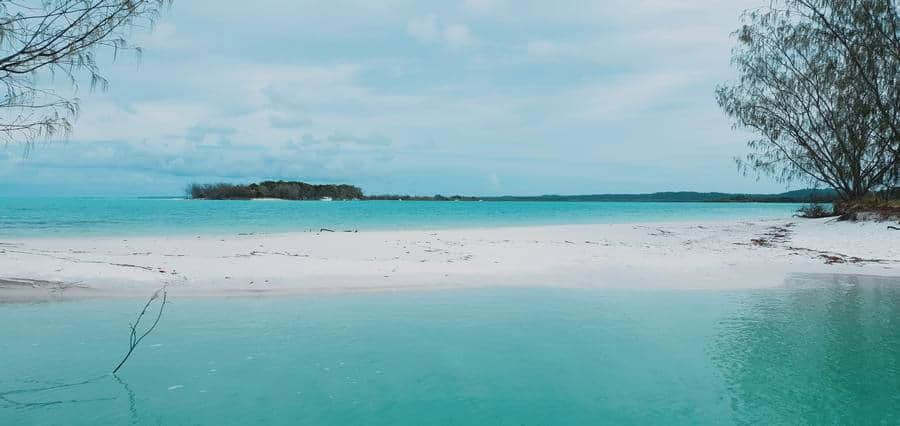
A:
(822, 349)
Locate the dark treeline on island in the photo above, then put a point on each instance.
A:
(292, 190)
(798, 196)
(272, 189)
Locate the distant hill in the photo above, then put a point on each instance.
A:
(798, 196)
(294, 190)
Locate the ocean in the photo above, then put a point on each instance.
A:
(819, 350)
(63, 217)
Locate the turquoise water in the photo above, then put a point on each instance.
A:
(31, 217)
(821, 350)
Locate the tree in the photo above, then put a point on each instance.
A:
(820, 85)
(49, 38)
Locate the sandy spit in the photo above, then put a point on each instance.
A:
(697, 255)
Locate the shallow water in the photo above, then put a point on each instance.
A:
(47, 217)
(823, 349)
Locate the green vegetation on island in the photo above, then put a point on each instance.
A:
(273, 189)
(798, 196)
(295, 190)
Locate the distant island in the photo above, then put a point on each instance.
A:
(295, 190)
(274, 189)
(798, 196)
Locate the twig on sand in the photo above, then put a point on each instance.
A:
(134, 340)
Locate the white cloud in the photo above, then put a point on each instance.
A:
(628, 96)
(482, 7)
(493, 183)
(428, 30)
(424, 29)
(527, 84)
(550, 50)
(459, 37)
(162, 36)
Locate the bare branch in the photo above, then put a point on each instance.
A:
(46, 38)
(134, 339)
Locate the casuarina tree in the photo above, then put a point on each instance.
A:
(46, 45)
(819, 88)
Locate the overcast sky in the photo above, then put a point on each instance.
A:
(469, 96)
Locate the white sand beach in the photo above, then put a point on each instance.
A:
(710, 255)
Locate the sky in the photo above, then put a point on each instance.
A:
(481, 97)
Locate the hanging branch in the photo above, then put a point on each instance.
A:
(134, 340)
(41, 41)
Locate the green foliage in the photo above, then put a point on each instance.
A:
(273, 189)
(798, 196)
(304, 191)
(881, 206)
(820, 86)
(815, 211)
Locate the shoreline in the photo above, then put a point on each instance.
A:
(203, 233)
(712, 254)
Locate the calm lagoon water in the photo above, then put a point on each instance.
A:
(822, 349)
(49, 217)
